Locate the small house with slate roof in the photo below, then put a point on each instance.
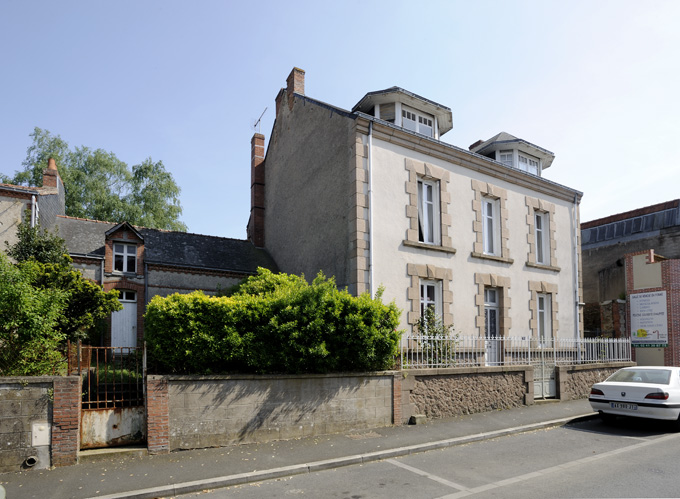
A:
(142, 263)
(374, 197)
(139, 262)
(38, 205)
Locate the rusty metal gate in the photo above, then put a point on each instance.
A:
(114, 390)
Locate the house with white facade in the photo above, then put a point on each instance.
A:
(374, 197)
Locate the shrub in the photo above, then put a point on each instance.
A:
(29, 339)
(273, 323)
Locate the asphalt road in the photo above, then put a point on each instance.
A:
(630, 458)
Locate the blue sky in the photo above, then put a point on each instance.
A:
(595, 82)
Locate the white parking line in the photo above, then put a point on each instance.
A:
(560, 467)
(420, 472)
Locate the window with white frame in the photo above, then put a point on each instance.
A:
(528, 164)
(505, 157)
(416, 122)
(491, 312)
(124, 257)
(544, 312)
(429, 221)
(430, 296)
(491, 225)
(541, 228)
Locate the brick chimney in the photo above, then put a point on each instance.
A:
(295, 84)
(256, 222)
(51, 175)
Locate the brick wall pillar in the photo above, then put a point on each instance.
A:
(396, 399)
(157, 415)
(66, 420)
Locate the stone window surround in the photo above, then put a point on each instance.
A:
(433, 273)
(536, 287)
(535, 205)
(420, 170)
(481, 190)
(502, 283)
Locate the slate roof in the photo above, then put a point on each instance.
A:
(86, 238)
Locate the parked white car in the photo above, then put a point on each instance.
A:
(642, 391)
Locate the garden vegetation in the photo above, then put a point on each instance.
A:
(272, 323)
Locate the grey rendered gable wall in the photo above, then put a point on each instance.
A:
(307, 190)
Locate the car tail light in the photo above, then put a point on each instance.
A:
(657, 396)
(595, 391)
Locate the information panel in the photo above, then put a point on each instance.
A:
(648, 319)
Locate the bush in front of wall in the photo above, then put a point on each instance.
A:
(273, 323)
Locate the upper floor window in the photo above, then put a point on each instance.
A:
(505, 157)
(528, 164)
(541, 225)
(416, 122)
(429, 226)
(491, 225)
(124, 257)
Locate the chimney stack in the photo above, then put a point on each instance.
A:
(295, 84)
(51, 175)
(256, 222)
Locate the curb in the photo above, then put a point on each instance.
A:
(299, 469)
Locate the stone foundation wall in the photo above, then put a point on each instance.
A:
(443, 393)
(574, 382)
(211, 411)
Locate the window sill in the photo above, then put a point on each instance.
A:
(117, 273)
(433, 247)
(543, 267)
(492, 257)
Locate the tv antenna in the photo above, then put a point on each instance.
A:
(256, 124)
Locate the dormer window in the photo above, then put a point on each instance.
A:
(125, 257)
(505, 157)
(417, 122)
(528, 164)
(515, 153)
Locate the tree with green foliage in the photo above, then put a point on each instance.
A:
(38, 244)
(29, 337)
(100, 186)
(85, 303)
(273, 323)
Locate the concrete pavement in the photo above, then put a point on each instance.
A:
(133, 474)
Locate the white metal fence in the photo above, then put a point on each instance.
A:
(421, 351)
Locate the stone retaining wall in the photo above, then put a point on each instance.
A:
(443, 393)
(210, 411)
(574, 382)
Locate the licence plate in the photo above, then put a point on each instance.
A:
(622, 405)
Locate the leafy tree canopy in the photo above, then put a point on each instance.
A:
(100, 186)
(84, 302)
(38, 244)
(29, 339)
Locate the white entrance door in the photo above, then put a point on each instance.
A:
(124, 322)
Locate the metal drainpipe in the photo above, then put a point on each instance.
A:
(576, 295)
(370, 208)
(33, 211)
(101, 280)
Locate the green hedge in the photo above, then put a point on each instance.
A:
(272, 323)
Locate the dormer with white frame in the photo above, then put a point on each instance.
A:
(407, 110)
(514, 152)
